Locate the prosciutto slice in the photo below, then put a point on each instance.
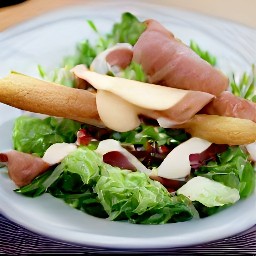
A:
(227, 104)
(121, 57)
(169, 62)
(23, 167)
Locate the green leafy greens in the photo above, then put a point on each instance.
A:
(86, 183)
(232, 169)
(144, 134)
(34, 135)
(205, 55)
(127, 30)
(245, 86)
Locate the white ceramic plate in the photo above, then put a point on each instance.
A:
(45, 40)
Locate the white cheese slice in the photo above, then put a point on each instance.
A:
(157, 97)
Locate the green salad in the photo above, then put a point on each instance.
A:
(91, 183)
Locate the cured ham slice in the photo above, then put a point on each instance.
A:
(113, 59)
(169, 62)
(227, 104)
(23, 167)
(120, 57)
(184, 110)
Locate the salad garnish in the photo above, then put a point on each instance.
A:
(139, 128)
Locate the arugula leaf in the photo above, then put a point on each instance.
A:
(244, 86)
(85, 53)
(35, 135)
(36, 187)
(147, 133)
(134, 72)
(205, 55)
(127, 31)
(58, 75)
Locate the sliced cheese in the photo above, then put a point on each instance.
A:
(157, 97)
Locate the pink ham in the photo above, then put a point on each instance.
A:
(23, 167)
(227, 104)
(181, 111)
(120, 57)
(185, 109)
(169, 62)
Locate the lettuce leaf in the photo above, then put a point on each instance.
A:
(86, 183)
(35, 135)
(232, 168)
(209, 192)
(83, 163)
(133, 196)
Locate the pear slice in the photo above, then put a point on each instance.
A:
(116, 113)
(57, 152)
(176, 165)
(109, 145)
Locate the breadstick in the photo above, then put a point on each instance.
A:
(221, 129)
(39, 96)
